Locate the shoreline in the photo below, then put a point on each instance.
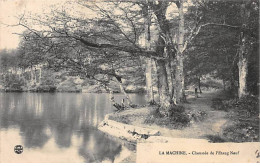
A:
(59, 91)
(131, 125)
(134, 133)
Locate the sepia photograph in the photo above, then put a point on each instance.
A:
(129, 81)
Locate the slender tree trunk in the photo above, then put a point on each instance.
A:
(199, 85)
(19, 73)
(32, 76)
(173, 73)
(35, 76)
(224, 85)
(5, 80)
(180, 93)
(163, 88)
(129, 101)
(112, 97)
(243, 71)
(244, 51)
(40, 75)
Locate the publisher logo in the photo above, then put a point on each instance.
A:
(18, 149)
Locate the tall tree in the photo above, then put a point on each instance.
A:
(180, 90)
(245, 48)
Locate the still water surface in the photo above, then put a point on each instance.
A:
(58, 127)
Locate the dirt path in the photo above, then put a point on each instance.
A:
(211, 125)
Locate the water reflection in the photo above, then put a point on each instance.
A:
(69, 119)
(96, 148)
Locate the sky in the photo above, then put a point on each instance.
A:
(10, 10)
(9, 13)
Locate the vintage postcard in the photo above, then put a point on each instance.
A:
(129, 81)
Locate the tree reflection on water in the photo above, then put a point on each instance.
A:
(62, 116)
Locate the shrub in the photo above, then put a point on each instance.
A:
(177, 118)
(197, 116)
(215, 138)
(45, 88)
(13, 83)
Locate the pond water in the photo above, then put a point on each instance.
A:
(57, 127)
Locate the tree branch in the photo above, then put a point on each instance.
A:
(197, 29)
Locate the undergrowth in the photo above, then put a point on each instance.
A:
(177, 118)
(244, 113)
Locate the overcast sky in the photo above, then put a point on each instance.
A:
(11, 9)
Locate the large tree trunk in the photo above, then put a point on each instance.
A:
(147, 45)
(179, 90)
(163, 44)
(244, 51)
(149, 81)
(170, 75)
(179, 77)
(163, 88)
